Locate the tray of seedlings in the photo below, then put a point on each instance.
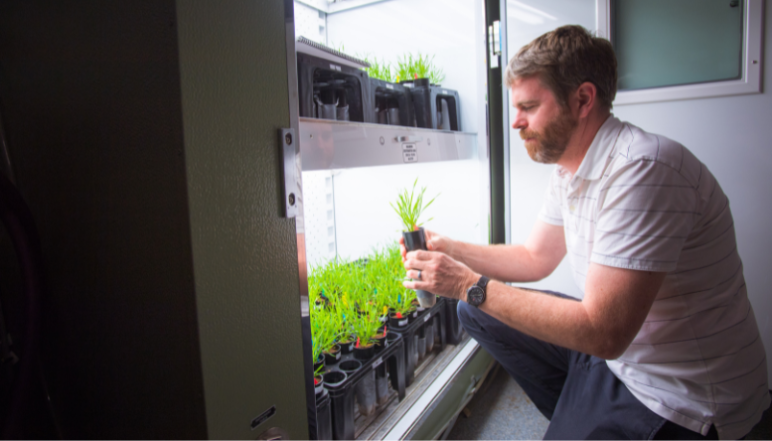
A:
(359, 360)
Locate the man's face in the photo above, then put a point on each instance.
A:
(545, 126)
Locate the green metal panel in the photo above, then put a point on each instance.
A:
(234, 101)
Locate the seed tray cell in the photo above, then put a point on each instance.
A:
(344, 391)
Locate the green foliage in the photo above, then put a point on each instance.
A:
(410, 206)
(381, 70)
(349, 298)
(411, 67)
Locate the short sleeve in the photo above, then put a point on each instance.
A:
(550, 211)
(646, 211)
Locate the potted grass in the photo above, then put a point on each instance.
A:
(409, 207)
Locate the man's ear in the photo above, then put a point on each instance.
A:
(586, 96)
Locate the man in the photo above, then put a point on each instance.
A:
(664, 343)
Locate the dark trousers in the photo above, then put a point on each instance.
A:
(577, 392)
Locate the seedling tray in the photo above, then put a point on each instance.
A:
(413, 328)
(343, 393)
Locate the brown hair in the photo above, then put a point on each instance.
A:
(565, 58)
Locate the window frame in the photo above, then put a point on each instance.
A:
(749, 83)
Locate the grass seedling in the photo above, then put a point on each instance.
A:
(381, 70)
(420, 66)
(410, 206)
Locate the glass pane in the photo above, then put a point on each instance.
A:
(526, 20)
(671, 42)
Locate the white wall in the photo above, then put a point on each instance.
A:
(733, 137)
(443, 28)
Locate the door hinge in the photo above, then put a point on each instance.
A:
(291, 161)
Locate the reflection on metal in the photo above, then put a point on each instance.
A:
(329, 145)
(291, 158)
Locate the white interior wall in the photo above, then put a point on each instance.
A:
(451, 31)
(442, 28)
(732, 136)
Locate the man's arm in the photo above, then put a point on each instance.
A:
(603, 324)
(532, 261)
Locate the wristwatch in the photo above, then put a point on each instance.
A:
(475, 295)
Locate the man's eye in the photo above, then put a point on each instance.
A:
(525, 109)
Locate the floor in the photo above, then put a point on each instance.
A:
(501, 410)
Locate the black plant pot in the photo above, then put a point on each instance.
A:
(395, 322)
(350, 366)
(319, 362)
(333, 356)
(334, 378)
(380, 342)
(415, 240)
(364, 352)
(318, 385)
(346, 347)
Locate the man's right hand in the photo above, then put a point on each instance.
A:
(434, 242)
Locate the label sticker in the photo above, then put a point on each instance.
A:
(334, 67)
(337, 356)
(377, 362)
(445, 92)
(402, 323)
(389, 86)
(426, 319)
(409, 153)
(263, 417)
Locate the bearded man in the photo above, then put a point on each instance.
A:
(664, 344)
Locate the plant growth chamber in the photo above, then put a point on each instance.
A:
(188, 164)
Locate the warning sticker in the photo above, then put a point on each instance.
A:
(409, 153)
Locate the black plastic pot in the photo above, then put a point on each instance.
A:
(380, 342)
(415, 240)
(395, 322)
(364, 352)
(346, 347)
(334, 378)
(333, 356)
(350, 366)
(318, 384)
(319, 362)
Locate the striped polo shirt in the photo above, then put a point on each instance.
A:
(644, 202)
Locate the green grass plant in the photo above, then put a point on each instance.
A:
(381, 70)
(410, 206)
(411, 67)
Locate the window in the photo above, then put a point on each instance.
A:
(681, 49)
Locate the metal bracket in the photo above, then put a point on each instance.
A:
(288, 142)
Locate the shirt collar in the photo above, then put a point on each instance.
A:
(594, 161)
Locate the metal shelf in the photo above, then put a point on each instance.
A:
(326, 144)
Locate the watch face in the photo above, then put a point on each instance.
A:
(475, 295)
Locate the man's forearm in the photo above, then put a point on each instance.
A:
(508, 263)
(549, 318)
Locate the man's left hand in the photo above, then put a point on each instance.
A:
(440, 274)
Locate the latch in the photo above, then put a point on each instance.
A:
(494, 43)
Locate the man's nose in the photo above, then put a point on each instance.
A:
(519, 122)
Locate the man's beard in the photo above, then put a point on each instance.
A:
(548, 146)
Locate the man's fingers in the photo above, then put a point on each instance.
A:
(416, 285)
